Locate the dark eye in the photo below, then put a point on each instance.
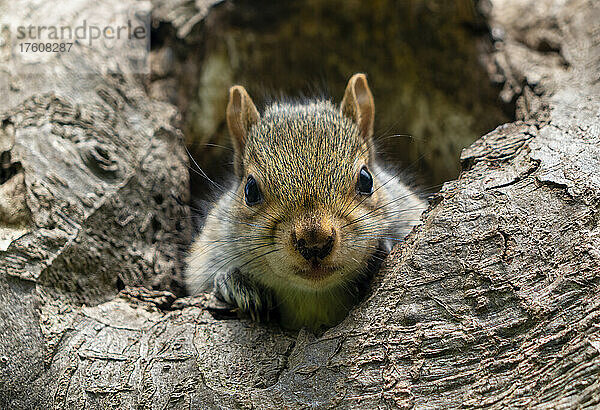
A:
(252, 192)
(365, 182)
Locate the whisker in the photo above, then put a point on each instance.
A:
(260, 256)
(224, 190)
(380, 207)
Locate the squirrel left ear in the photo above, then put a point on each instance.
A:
(241, 116)
(358, 105)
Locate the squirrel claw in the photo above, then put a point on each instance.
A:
(236, 290)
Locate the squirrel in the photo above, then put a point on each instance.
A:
(310, 215)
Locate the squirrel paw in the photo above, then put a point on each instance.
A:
(235, 289)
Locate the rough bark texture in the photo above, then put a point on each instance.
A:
(91, 174)
(492, 302)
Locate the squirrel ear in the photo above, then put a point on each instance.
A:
(358, 104)
(241, 115)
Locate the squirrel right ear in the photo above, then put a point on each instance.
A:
(241, 115)
(358, 105)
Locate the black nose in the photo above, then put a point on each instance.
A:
(318, 251)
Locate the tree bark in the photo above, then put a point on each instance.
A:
(492, 302)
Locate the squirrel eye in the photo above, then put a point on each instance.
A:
(365, 182)
(252, 192)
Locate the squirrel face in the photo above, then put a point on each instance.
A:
(309, 189)
(310, 216)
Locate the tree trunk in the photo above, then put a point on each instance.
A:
(492, 302)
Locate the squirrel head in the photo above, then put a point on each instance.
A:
(309, 193)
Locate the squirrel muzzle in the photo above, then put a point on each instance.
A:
(314, 239)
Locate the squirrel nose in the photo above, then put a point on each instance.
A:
(314, 242)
